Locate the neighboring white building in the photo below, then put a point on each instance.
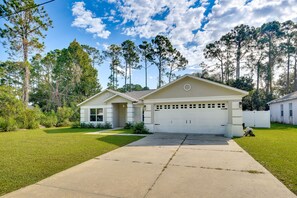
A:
(284, 109)
(186, 105)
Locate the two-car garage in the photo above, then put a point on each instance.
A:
(194, 105)
(202, 118)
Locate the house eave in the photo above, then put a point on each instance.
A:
(193, 99)
(280, 101)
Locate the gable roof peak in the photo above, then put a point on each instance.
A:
(242, 92)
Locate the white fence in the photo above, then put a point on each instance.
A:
(259, 119)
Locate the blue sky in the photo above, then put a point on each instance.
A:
(189, 24)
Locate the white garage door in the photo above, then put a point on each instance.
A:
(202, 118)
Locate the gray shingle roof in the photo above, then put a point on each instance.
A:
(290, 96)
(138, 94)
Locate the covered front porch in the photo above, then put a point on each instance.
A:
(118, 114)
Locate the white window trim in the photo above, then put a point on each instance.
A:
(101, 114)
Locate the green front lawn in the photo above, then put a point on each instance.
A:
(27, 157)
(276, 150)
(121, 131)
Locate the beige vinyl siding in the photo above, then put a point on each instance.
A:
(99, 100)
(118, 99)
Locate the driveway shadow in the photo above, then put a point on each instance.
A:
(158, 139)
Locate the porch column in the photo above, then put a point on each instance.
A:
(130, 113)
(109, 114)
(234, 127)
(148, 117)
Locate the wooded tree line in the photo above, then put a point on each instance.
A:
(57, 81)
(128, 56)
(265, 54)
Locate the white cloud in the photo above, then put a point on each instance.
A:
(87, 20)
(226, 14)
(183, 18)
(113, 12)
(105, 46)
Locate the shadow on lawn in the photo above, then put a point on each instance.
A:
(69, 130)
(118, 140)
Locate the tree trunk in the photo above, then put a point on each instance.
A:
(26, 84)
(116, 79)
(170, 75)
(160, 73)
(258, 75)
(126, 73)
(222, 71)
(113, 75)
(145, 70)
(269, 73)
(130, 76)
(238, 54)
(288, 73)
(295, 73)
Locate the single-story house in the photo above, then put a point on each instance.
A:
(186, 105)
(284, 109)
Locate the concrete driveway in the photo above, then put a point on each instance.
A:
(165, 165)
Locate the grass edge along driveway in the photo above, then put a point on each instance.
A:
(29, 156)
(276, 150)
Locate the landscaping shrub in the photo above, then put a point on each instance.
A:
(11, 109)
(63, 115)
(107, 125)
(83, 125)
(128, 125)
(139, 128)
(8, 124)
(76, 125)
(32, 118)
(91, 125)
(49, 119)
(99, 126)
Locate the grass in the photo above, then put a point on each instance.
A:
(121, 131)
(276, 150)
(29, 156)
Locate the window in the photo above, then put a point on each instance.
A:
(282, 110)
(208, 106)
(161, 106)
(199, 106)
(181, 106)
(168, 106)
(213, 106)
(194, 106)
(223, 105)
(96, 115)
(219, 105)
(290, 109)
(165, 106)
(203, 106)
(190, 106)
(185, 106)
